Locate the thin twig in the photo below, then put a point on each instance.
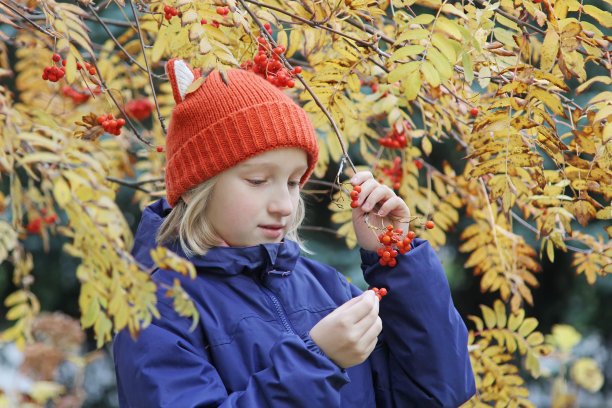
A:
(144, 54)
(26, 18)
(110, 34)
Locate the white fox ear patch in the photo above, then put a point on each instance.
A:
(181, 77)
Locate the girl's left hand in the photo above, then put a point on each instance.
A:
(381, 202)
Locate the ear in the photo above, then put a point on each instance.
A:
(181, 76)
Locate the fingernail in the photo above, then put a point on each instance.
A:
(354, 180)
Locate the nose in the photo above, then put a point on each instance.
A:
(281, 202)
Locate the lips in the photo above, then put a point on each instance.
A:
(272, 226)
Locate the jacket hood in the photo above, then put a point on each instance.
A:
(261, 259)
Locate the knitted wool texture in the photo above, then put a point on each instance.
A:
(219, 125)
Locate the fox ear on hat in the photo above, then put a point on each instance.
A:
(181, 76)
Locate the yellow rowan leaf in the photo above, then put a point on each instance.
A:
(426, 146)
(468, 71)
(516, 319)
(449, 27)
(550, 48)
(402, 71)
(606, 80)
(16, 297)
(447, 47)
(18, 311)
(61, 191)
(535, 338)
(412, 85)
(412, 34)
(204, 47)
(430, 74)
(549, 100)
(422, 19)
(489, 316)
(295, 38)
(528, 325)
(500, 313)
(440, 62)
(603, 17)
(407, 51)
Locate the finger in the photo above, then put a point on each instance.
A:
(361, 309)
(349, 303)
(370, 338)
(363, 325)
(394, 205)
(379, 195)
(360, 177)
(367, 187)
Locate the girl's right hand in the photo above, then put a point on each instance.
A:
(349, 334)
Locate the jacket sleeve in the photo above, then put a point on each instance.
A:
(164, 368)
(422, 360)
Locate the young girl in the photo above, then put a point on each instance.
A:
(277, 329)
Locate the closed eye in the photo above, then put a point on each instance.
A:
(256, 182)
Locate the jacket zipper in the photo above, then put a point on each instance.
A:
(279, 310)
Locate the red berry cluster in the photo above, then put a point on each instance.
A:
(379, 292)
(214, 23)
(170, 12)
(139, 108)
(267, 64)
(110, 124)
(34, 225)
(355, 196)
(393, 243)
(394, 173)
(222, 11)
(54, 73)
(79, 96)
(396, 139)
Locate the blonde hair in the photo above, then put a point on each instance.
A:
(188, 222)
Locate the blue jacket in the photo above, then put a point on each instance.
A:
(252, 349)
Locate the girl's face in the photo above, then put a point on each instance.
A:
(255, 201)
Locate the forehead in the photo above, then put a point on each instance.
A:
(286, 158)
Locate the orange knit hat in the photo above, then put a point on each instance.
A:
(217, 126)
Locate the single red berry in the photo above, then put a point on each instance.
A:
(418, 164)
(380, 251)
(389, 227)
(382, 291)
(357, 189)
(56, 57)
(63, 63)
(203, 21)
(386, 240)
(220, 11)
(34, 226)
(160, 149)
(167, 9)
(79, 66)
(174, 12)
(374, 88)
(354, 204)
(410, 235)
(429, 224)
(474, 111)
(354, 195)
(392, 262)
(396, 186)
(537, 1)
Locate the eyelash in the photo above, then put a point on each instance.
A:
(260, 182)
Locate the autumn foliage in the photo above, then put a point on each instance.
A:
(520, 87)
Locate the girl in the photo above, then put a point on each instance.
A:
(277, 329)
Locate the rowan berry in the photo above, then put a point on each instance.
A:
(429, 224)
(50, 219)
(354, 194)
(160, 149)
(392, 262)
(139, 109)
(354, 204)
(382, 291)
(418, 164)
(167, 9)
(379, 292)
(537, 1)
(110, 124)
(203, 21)
(357, 189)
(474, 111)
(34, 226)
(92, 71)
(56, 57)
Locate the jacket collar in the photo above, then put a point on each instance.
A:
(259, 261)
